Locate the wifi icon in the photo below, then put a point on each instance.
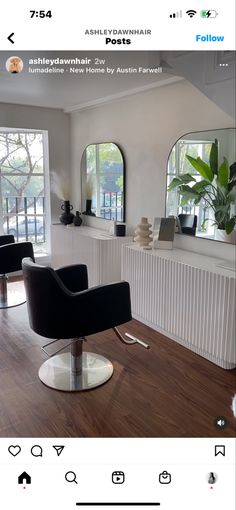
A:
(191, 13)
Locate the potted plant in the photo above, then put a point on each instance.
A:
(217, 188)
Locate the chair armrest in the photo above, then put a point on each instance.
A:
(75, 277)
(102, 307)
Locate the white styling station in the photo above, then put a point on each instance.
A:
(186, 296)
(96, 248)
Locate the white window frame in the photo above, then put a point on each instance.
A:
(47, 201)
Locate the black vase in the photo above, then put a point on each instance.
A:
(89, 208)
(67, 216)
(77, 220)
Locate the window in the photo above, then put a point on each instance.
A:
(23, 173)
(177, 165)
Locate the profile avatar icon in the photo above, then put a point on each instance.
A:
(212, 478)
(14, 65)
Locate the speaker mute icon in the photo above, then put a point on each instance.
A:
(220, 422)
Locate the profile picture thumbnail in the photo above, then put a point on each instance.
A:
(14, 64)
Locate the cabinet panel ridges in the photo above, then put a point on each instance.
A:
(192, 304)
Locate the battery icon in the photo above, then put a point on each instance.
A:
(210, 13)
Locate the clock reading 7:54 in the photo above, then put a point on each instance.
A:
(40, 14)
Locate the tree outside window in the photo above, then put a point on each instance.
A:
(22, 188)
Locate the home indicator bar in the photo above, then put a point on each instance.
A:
(118, 504)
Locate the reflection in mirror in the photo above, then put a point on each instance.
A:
(201, 184)
(102, 171)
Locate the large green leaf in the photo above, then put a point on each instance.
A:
(174, 184)
(202, 168)
(214, 157)
(198, 200)
(223, 174)
(201, 186)
(186, 178)
(187, 193)
(181, 179)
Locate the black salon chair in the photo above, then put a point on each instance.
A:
(11, 255)
(60, 307)
(188, 224)
(6, 239)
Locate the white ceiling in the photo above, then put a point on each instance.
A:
(69, 91)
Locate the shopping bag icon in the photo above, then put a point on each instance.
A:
(164, 477)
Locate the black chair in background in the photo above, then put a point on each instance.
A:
(11, 255)
(60, 307)
(188, 224)
(6, 239)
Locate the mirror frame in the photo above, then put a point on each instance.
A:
(180, 138)
(124, 179)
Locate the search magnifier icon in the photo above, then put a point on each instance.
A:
(70, 476)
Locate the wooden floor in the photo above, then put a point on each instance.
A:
(166, 391)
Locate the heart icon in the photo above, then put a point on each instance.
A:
(14, 450)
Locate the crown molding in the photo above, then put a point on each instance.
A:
(115, 97)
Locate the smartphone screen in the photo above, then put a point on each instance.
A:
(117, 255)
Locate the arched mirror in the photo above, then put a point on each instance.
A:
(201, 184)
(103, 181)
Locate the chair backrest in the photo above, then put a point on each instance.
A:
(188, 223)
(6, 239)
(11, 256)
(46, 296)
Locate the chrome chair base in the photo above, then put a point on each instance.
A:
(11, 293)
(57, 372)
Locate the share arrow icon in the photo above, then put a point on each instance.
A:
(59, 449)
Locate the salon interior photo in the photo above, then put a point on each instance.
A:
(117, 246)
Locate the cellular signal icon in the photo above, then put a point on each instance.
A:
(191, 13)
(177, 14)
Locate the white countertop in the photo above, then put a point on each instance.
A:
(189, 258)
(95, 233)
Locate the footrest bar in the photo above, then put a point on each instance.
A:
(141, 342)
(133, 340)
(43, 348)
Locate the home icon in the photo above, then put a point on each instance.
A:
(24, 478)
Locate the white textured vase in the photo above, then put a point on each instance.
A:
(220, 235)
(143, 233)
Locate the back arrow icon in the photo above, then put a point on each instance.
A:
(10, 38)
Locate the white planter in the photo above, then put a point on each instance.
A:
(220, 235)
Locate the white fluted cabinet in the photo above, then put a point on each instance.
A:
(187, 296)
(97, 249)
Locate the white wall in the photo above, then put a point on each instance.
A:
(146, 126)
(56, 122)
